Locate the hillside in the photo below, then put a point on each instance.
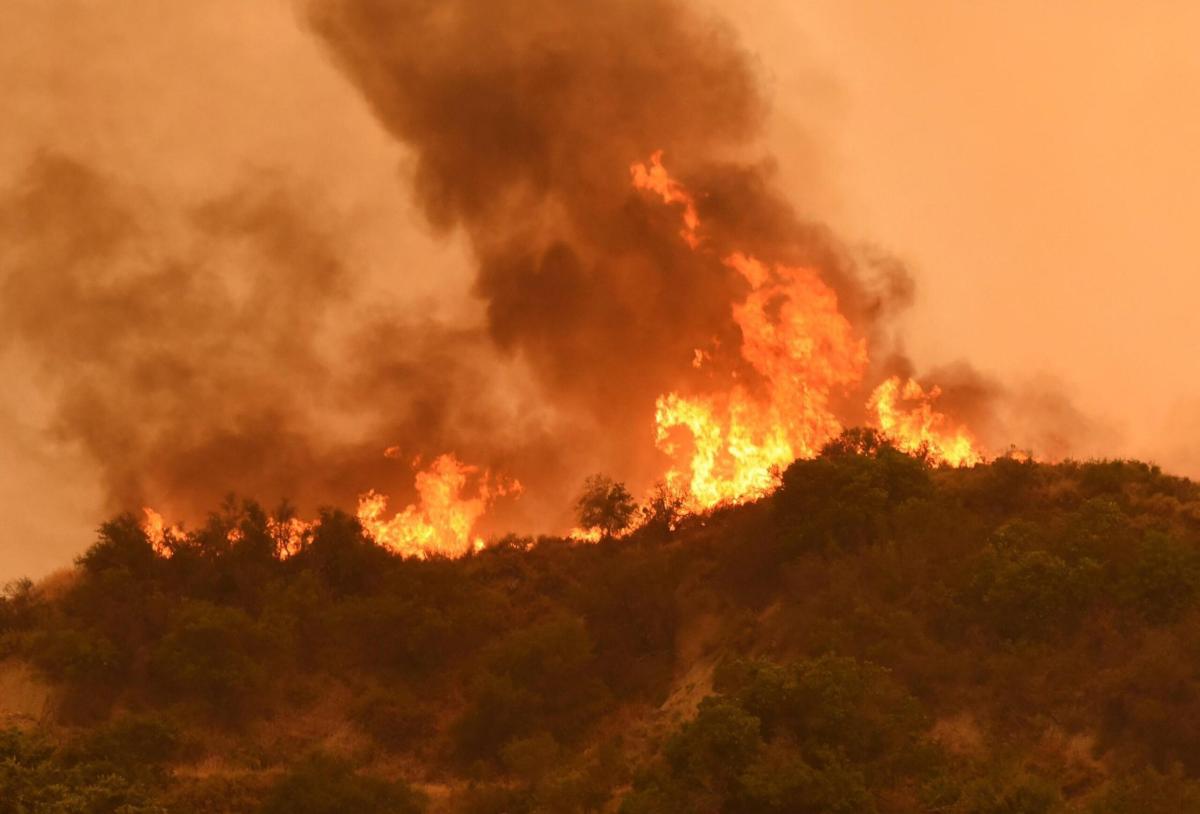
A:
(878, 635)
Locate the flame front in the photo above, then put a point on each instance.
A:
(918, 428)
(726, 445)
(441, 522)
(290, 535)
(802, 351)
(158, 532)
(443, 519)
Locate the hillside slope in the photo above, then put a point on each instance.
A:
(878, 635)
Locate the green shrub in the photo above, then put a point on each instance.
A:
(394, 717)
(35, 778)
(132, 745)
(1149, 792)
(843, 499)
(1031, 594)
(539, 678)
(1164, 580)
(325, 785)
(780, 781)
(213, 655)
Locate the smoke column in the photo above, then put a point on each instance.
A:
(221, 347)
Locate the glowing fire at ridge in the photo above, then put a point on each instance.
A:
(726, 447)
(442, 521)
(582, 535)
(158, 531)
(920, 427)
(290, 535)
(804, 351)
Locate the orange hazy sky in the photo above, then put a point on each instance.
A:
(1034, 164)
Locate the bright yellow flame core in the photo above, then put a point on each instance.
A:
(158, 531)
(920, 428)
(443, 519)
(801, 351)
(804, 351)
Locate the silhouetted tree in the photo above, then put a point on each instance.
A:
(605, 505)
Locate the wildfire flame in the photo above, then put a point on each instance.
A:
(582, 535)
(158, 532)
(804, 351)
(443, 520)
(920, 428)
(725, 446)
(290, 535)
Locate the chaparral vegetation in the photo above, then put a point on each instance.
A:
(879, 634)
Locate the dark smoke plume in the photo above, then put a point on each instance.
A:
(219, 350)
(523, 118)
(223, 347)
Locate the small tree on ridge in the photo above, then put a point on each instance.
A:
(605, 505)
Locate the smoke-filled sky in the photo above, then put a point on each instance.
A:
(248, 246)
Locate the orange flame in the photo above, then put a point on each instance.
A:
(919, 427)
(582, 535)
(158, 532)
(291, 535)
(443, 520)
(804, 351)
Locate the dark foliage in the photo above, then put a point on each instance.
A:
(882, 635)
(324, 785)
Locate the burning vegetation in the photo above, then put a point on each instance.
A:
(649, 305)
(807, 582)
(878, 635)
(797, 355)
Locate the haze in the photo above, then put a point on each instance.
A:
(1035, 166)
